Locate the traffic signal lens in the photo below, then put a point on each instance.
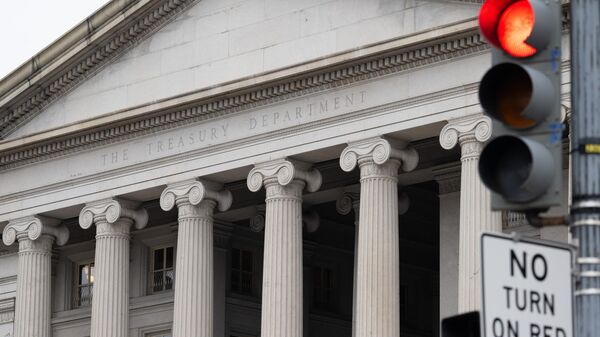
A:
(509, 167)
(514, 27)
(517, 168)
(505, 92)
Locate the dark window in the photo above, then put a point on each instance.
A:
(242, 271)
(403, 304)
(163, 273)
(323, 285)
(85, 285)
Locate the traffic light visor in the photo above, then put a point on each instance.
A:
(516, 95)
(512, 25)
(519, 169)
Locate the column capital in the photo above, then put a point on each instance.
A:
(257, 219)
(111, 210)
(466, 129)
(349, 200)
(33, 227)
(284, 171)
(194, 192)
(379, 150)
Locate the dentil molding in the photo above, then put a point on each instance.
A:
(410, 57)
(94, 58)
(405, 58)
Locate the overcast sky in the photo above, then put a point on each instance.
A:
(28, 26)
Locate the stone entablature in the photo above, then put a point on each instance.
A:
(462, 39)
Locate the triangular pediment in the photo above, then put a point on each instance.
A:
(210, 42)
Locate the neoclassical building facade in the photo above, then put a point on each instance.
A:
(245, 168)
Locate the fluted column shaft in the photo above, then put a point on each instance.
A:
(475, 218)
(282, 279)
(194, 285)
(377, 303)
(33, 307)
(193, 314)
(378, 267)
(35, 235)
(110, 304)
(475, 212)
(284, 181)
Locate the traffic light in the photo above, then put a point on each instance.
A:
(522, 164)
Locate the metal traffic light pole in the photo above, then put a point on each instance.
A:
(585, 123)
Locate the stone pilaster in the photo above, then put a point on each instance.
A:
(222, 236)
(194, 285)
(475, 212)
(448, 178)
(284, 181)
(347, 202)
(309, 252)
(35, 235)
(110, 305)
(378, 259)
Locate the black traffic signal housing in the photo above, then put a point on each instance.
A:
(522, 164)
(463, 325)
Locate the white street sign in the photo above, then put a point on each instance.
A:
(527, 289)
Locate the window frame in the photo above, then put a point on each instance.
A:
(241, 271)
(162, 333)
(76, 285)
(333, 305)
(151, 271)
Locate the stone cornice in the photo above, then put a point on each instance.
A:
(413, 53)
(72, 70)
(97, 50)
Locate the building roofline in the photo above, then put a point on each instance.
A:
(42, 59)
(79, 54)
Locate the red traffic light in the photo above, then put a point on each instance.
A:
(514, 27)
(511, 25)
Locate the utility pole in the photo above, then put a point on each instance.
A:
(585, 133)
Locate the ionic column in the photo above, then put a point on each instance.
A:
(284, 180)
(350, 201)
(35, 235)
(475, 213)
(110, 305)
(194, 284)
(378, 267)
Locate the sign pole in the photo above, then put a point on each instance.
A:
(585, 171)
